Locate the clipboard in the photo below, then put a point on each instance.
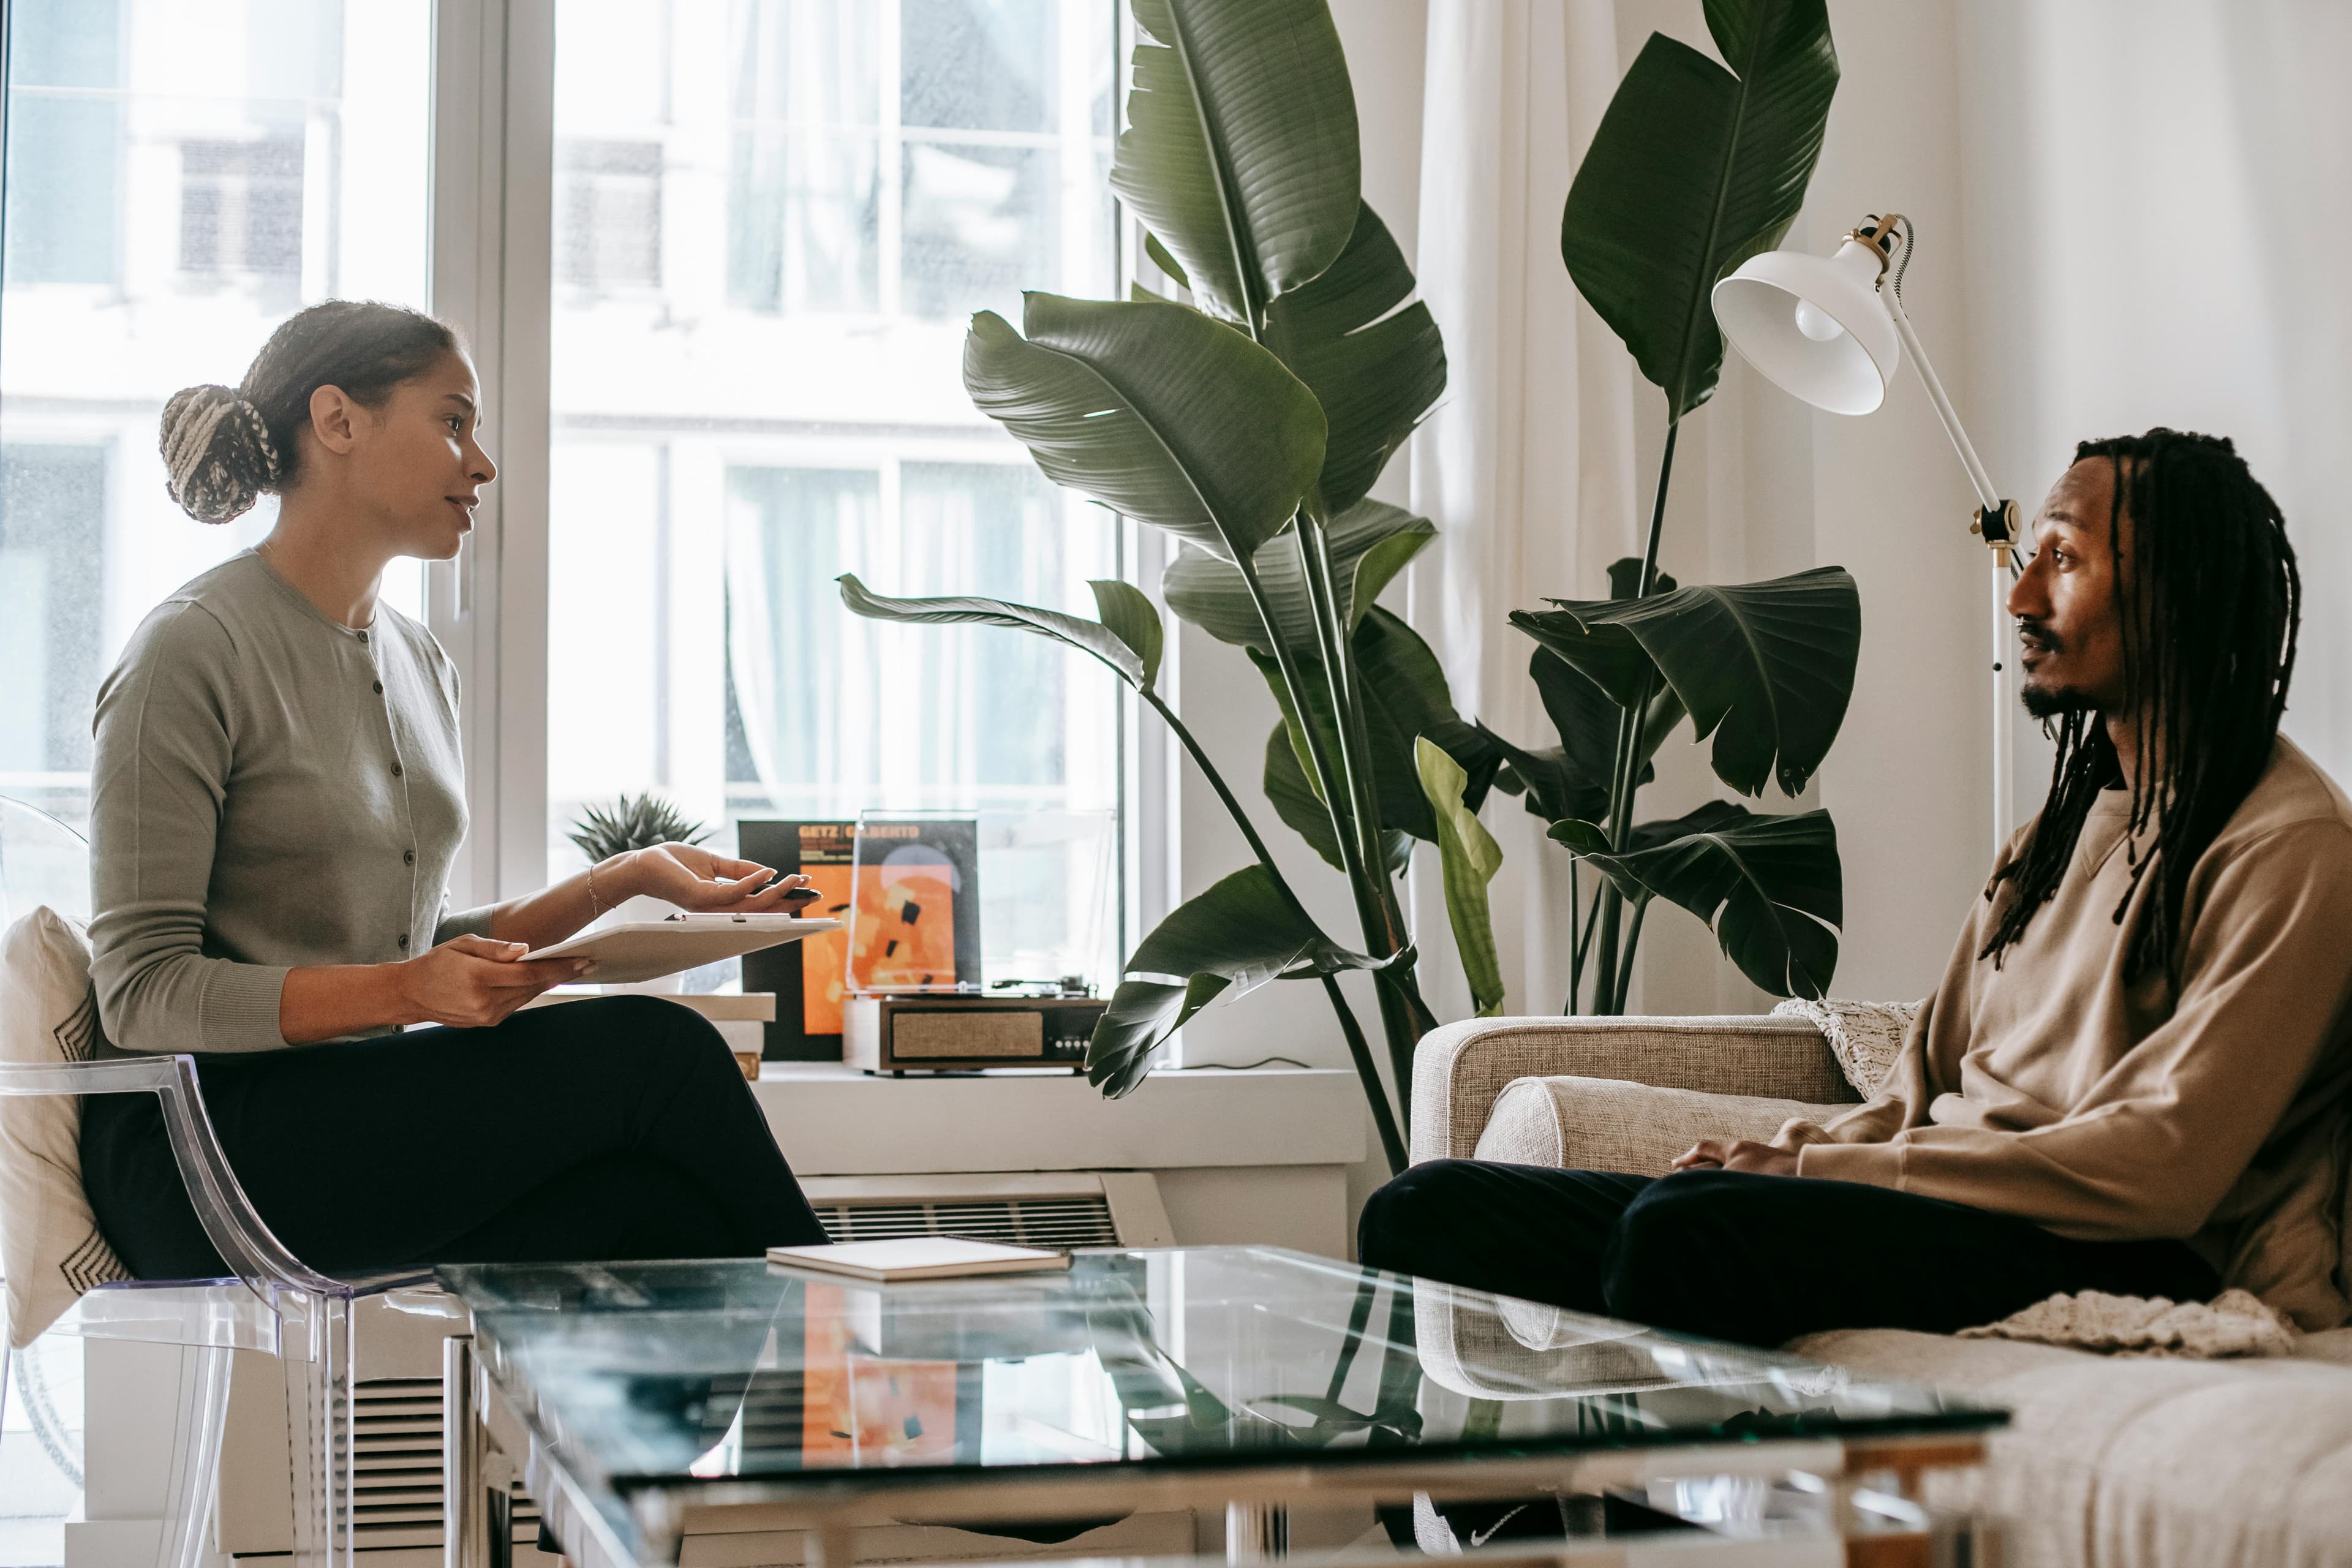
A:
(638, 951)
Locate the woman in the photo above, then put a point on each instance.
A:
(277, 796)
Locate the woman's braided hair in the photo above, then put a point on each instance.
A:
(223, 446)
(2210, 604)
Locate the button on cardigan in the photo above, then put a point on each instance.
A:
(255, 807)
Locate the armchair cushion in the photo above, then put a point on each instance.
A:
(1609, 1124)
(50, 1248)
(1460, 1070)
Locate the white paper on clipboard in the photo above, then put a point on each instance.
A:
(638, 951)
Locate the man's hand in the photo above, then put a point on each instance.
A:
(1739, 1154)
(694, 879)
(473, 983)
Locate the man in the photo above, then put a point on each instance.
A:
(2133, 1073)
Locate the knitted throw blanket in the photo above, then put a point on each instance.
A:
(1865, 1037)
(2234, 1323)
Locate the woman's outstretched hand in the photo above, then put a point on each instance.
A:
(695, 879)
(472, 983)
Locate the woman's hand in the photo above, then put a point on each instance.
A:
(1738, 1154)
(473, 983)
(695, 879)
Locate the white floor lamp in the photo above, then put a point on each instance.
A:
(1832, 330)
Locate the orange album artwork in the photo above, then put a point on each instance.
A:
(824, 957)
(905, 929)
(861, 1410)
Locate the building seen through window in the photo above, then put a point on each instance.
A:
(180, 179)
(775, 219)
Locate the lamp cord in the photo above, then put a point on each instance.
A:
(1904, 260)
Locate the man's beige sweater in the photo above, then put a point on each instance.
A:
(2210, 1104)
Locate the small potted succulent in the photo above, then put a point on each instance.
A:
(634, 822)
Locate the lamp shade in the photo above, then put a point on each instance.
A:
(1814, 325)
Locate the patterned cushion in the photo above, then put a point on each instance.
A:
(50, 1248)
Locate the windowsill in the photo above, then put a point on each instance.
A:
(836, 1120)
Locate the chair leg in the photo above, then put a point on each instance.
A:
(322, 1447)
(202, 1412)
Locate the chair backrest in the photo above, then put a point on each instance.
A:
(42, 861)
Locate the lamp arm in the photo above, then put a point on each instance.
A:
(1987, 497)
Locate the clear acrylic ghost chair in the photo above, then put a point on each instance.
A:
(274, 1302)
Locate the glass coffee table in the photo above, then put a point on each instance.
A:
(644, 1404)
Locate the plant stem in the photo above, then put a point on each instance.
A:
(1575, 942)
(1403, 1016)
(1633, 941)
(1326, 779)
(1626, 769)
(1375, 1093)
(1348, 714)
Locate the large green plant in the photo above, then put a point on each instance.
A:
(1695, 167)
(1251, 423)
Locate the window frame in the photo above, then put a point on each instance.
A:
(494, 185)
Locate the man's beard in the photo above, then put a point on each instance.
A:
(2046, 702)
(2056, 701)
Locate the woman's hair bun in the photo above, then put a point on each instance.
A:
(217, 455)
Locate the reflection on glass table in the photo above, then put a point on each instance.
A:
(1193, 1377)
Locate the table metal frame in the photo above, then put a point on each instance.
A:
(489, 1441)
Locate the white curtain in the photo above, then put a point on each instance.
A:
(1527, 467)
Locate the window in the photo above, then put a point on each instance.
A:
(832, 186)
(608, 234)
(180, 180)
(241, 208)
(65, 140)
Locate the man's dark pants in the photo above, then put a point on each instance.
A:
(1754, 1259)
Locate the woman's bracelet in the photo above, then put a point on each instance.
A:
(595, 905)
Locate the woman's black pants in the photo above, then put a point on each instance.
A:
(603, 1129)
(1754, 1259)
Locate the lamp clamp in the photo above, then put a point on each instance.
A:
(1880, 235)
(1997, 526)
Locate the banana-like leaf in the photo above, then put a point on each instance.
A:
(1470, 857)
(1693, 170)
(1130, 663)
(1127, 615)
(1154, 410)
(1404, 684)
(1374, 368)
(1768, 886)
(1236, 936)
(1370, 543)
(1404, 697)
(1297, 803)
(1395, 784)
(1239, 151)
(1765, 668)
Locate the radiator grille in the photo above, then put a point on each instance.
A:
(397, 1434)
(1022, 1222)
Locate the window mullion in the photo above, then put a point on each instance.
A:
(493, 162)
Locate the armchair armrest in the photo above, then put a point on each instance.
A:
(1459, 1069)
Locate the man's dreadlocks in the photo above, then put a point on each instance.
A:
(2210, 604)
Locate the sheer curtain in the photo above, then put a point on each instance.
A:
(1527, 468)
(2160, 206)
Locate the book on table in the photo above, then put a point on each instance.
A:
(918, 1257)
